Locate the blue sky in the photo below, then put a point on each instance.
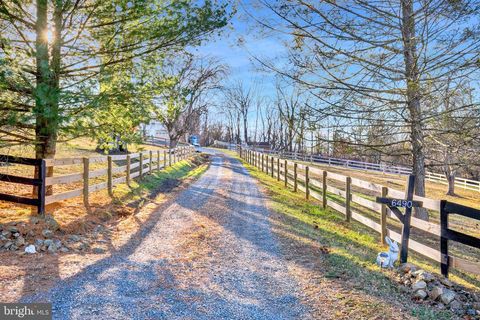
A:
(238, 57)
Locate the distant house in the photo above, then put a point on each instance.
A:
(155, 129)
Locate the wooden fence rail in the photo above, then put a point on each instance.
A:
(133, 165)
(325, 186)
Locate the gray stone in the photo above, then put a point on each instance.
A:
(52, 247)
(471, 312)
(476, 305)
(47, 233)
(6, 233)
(48, 242)
(419, 285)
(407, 267)
(446, 282)
(34, 220)
(447, 296)
(8, 244)
(16, 235)
(420, 294)
(20, 241)
(64, 249)
(426, 276)
(13, 229)
(456, 306)
(435, 292)
(38, 243)
(74, 238)
(51, 223)
(57, 243)
(99, 250)
(13, 247)
(30, 249)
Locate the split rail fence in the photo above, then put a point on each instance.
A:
(86, 181)
(355, 199)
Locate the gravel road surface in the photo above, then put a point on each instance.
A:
(208, 254)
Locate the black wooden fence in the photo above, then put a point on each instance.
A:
(446, 234)
(38, 181)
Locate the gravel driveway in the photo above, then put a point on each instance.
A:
(209, 254)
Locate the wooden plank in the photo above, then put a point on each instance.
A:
(465, 265)
(17, 199)
(316, 171)
(134, 165)
(367, 221)
(134, 175)
(98, 159)
(336, 176)
(427, 203)
(119, 180)
(19, 160)
(98, 186)
(316, 195)
(336, 191)
(368, 185)
(68, 178)
(64, 161)
(367, 203)
(455, 208)
(63, 196)
(117, 157)
(98, 173)
(20, 180)
(332, 204)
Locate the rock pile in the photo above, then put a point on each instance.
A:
(14, 237)
(438, 291)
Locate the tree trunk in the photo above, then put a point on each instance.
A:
(47, 85)
(451, 183)
(245, 128)
(413, 101)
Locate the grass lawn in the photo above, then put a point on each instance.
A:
(350, 248)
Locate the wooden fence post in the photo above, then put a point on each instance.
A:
(278, 169)
(129, 161)
(295, 182)
(150, 164)
(406, 220)
(86, 177)
(348, 198)
(158, 160)
(42, 188)
(262, 163)
(164, 159)
(141, 165)
(272, 166)
(286, 172)
(307, 183)
(383, 217)
(109, 175)
(169, 157)
(324, 190)
(445, 263)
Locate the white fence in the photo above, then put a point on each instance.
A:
(378, 167)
